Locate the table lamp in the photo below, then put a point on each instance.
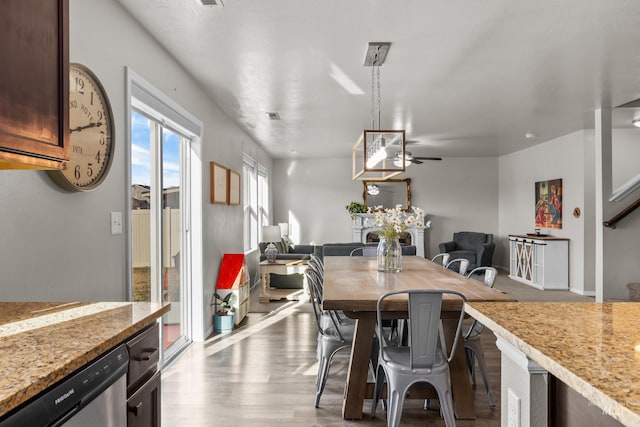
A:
(270, 234)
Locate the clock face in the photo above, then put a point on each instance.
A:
(90, 133)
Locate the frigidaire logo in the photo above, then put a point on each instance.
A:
(64, 396)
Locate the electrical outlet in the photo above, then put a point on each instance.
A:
(513, 407)
(116, 222)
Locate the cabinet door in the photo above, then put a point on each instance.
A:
(523, 260)
(34, 84)
(143, 407)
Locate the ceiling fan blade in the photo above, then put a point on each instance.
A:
(417, 162)
(427, 158)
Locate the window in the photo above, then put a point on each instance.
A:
(255, 201)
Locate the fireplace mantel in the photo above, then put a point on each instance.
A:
(363, 223)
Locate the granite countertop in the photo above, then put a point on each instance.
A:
(594, 348)
(43, 342)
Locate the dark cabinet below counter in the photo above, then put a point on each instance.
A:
(34, 84)
(143, 379)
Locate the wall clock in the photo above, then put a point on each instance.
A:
(90, 133)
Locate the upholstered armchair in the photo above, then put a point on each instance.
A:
(476, 247)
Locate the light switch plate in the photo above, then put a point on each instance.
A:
(116, 222)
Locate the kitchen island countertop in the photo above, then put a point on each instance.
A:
(594, 348)
(43, 342)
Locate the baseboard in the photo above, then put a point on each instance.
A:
(583, 293)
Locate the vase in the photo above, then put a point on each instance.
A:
(389, 255)
(223, 323)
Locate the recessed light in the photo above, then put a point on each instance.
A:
(530, 135)
(636, 122)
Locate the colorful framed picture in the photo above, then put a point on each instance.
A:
(233, 188)
(218, 183)
(548, 212)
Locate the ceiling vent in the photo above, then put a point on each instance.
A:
(211, 2)
(273, 116)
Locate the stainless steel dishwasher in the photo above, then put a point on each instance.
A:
(94, 396)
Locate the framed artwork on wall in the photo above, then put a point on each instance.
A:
(218, 183)
(548, 203)
(233, 186)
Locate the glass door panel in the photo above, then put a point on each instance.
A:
(157, 225)
(172, 236)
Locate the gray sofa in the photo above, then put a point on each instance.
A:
(295, 252)
(303, 252)
(344, 249)
(476, 247)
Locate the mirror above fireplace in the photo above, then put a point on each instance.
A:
(387, 193)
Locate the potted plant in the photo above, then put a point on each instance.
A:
(355, 207)
(224, 309)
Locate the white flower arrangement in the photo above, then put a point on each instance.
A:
(394, 221)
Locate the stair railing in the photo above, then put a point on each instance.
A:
(613, 221)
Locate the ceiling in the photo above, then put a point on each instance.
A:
(464, 78)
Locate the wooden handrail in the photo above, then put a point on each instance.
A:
(613, 221)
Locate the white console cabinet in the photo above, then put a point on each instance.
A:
(541, 262)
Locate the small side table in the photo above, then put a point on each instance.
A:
(281, 267)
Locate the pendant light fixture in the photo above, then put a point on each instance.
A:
(373, 154)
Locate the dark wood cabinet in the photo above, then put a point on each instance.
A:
(143, 407)
(143, 379)
(34, 84)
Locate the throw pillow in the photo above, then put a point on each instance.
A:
(281, 247)
(288, 243)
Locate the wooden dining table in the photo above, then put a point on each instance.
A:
(353, 285)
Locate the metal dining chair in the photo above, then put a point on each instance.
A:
(332, 336)
(462, 268)
(472, 340)
(422, 360)
(442, 258)
(365, 251)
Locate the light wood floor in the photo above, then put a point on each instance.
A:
(263, 374)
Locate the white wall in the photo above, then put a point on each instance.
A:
(625, 152)
(571, 158)
(56, 245)
(560, 158)
(456, 193)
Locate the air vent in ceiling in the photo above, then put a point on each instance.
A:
(211, 2)
(273, 116)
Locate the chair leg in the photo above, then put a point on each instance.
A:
(471, 364)
(443, 387)
(377, 391)
(321, 378)
(483, 373)
(397, 387)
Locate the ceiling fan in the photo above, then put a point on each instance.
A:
(418, 160)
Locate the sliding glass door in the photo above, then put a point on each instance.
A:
(159, 221)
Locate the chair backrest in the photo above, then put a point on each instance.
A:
(462, 268)
(469, 240)
(490, 274)
(364, 251)
(314, 296)
(445, 258)
(424, 322)
(315, 287)
(489, 279)
(316, 264)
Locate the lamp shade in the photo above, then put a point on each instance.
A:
(271, 233)
(284, 228)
